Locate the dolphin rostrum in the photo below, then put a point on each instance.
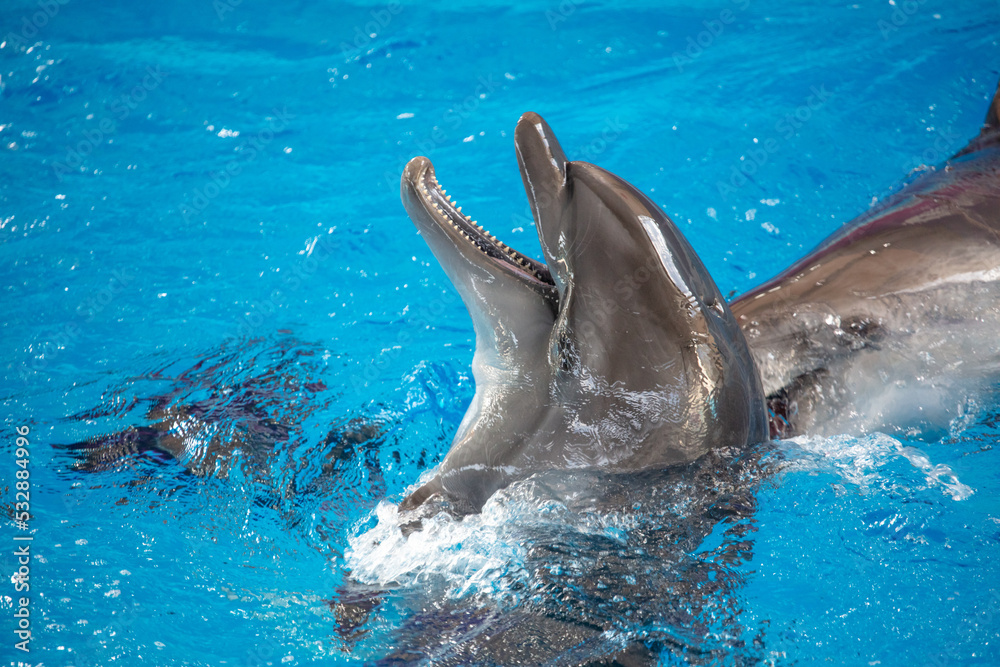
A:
(893, 322)
(618, 352)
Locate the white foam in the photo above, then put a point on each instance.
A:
(859, 460)
(479, 555)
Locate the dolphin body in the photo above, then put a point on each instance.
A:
(893, 322)
(617, 353)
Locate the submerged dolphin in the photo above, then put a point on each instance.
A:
(619, 352)
(893, 322)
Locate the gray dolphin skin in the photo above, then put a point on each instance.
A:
(892, 323)
(617, 353)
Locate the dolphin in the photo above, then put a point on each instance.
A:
(618, 352)
(891, 323)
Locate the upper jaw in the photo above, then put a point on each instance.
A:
(543, 167)
(438, 218)
(544, 170)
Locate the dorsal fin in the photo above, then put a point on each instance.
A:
(990, 132)
(992, 122)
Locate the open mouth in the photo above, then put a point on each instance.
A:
(448, 215)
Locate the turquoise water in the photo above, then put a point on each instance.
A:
(201, 233)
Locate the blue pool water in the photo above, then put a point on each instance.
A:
(200, 226)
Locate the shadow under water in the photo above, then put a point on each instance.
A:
(255, 413)
(562, 568)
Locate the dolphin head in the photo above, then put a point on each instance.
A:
(617, 353)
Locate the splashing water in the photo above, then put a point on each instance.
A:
(235, 355)
(862, 461)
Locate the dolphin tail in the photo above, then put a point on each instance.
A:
(989, 135)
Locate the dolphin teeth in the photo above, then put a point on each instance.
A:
(471, 230)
